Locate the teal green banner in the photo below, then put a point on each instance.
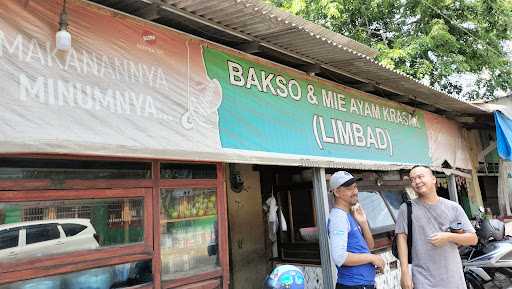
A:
(270, 109)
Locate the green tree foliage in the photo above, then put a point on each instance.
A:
(430, 40)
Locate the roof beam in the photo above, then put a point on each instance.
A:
(249, 47)
(402, 98)
(311, 69)
(109, 2)
(453, 114)
(465, 119)
(151, 12)
(366, 87)
(427, 107)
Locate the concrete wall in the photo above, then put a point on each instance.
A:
(248, 255)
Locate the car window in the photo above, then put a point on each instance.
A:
(41, 233)
(72, 229)
(9, 238)
(379, 217)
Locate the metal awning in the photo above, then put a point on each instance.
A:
(269, 32)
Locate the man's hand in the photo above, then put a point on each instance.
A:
(378, 262)
(440, 239)
(406, 281)
(359, 215)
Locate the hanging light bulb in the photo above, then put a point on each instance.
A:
(63, 38)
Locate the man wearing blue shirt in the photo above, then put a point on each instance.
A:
(350, 238)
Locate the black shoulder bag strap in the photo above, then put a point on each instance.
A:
(409, 231)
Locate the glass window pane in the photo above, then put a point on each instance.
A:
(188, 171)
(41, 233)
(85, 224)
(394, 200)
(376, 211)
(118, 276)
(188, 232)
(27, 168)
(9, 238)
(72, 229)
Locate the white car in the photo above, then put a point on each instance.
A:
(39, 238)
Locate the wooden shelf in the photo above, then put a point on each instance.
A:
(186, 219)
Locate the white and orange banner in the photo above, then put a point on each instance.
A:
(136, 89)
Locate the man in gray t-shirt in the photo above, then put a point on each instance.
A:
(436, 263)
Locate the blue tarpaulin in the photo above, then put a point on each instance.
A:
(503, 135)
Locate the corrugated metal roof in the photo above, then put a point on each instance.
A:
(257, 22)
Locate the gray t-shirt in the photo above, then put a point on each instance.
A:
(434, 267)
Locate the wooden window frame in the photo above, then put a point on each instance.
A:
(45, 184)
(219, 184)
(48, 184)
(88, 259)
(75, 189)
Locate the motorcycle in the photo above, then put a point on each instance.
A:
(490, 260)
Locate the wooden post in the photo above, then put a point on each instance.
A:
(505, 186)
(472, 140)
(126, 220)
(156, 264)
(222, 223)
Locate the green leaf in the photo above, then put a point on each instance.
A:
(427, 39)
